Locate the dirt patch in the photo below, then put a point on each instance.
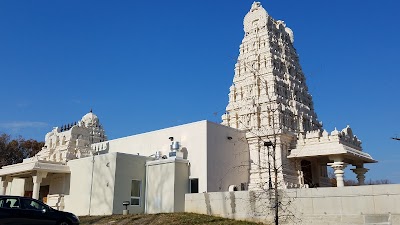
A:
(160, 219)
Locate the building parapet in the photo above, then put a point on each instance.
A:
(344, 137)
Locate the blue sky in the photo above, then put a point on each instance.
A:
(147, 65)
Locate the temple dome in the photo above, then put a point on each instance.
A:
(90, 119)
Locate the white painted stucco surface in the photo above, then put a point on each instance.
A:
(103, 192)
(168, 182)
(85, 198)
(129, 167)
(227, 158)
(374, 204)
(213, 157)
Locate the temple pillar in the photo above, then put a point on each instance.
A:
(256, 165)
(3, 187)
(37, 180)
(338, 167)
(4, 184)
(360, 171)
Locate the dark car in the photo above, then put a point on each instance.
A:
(24, 210)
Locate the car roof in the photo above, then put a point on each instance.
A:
(14, 196)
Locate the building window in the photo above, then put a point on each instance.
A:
(194, 185)
(9, 202)
(135, 192)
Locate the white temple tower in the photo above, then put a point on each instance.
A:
(269, 99)
(74, 140)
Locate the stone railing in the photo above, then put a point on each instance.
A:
(100, 147)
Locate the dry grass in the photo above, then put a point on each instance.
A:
(161, 219)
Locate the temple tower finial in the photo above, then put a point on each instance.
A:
(255, 6)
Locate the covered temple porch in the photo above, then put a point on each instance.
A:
(35, 178)
(311, 168)
(337, 150)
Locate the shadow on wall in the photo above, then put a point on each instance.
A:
(67, 183)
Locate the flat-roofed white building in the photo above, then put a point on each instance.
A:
(153, 171)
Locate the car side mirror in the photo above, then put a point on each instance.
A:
(44, 210)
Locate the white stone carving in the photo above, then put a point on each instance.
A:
(269, 99)
(74, 140)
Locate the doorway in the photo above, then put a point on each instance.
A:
(44, 191)
(307, 172)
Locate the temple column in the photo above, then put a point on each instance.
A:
(37, 180)
(360, 171)
(257, 161)
(4, 184)
(338, 167)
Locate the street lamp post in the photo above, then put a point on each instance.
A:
(276, 199)
(268, 144)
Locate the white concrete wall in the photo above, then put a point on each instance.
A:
(160, 188)
(227, 159)
(87, 199)
(129, 167)
(168, 182)
(181, 185)
(77, 199)
(214, 159)
(193, 140)
(376, 204)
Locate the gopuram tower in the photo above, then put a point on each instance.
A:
(269, 99)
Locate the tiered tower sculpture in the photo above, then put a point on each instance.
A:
(269, 97)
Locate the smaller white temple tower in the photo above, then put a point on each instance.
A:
(73, 140)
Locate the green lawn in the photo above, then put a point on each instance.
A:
(162, 218)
